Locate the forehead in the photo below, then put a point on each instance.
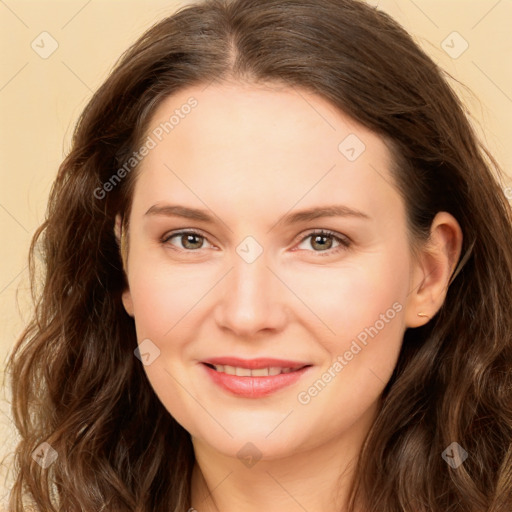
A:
(245, 119)
(254, 145)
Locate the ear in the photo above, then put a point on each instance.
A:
(127, 301)
(433, 269)
(117, 229)
(126, 295)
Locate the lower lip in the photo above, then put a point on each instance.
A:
(254, 387)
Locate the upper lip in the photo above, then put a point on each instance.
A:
(254, 364)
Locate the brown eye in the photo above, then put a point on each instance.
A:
(189, 240)
(322, 241)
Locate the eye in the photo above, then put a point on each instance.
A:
(322, 241)
(189, 240)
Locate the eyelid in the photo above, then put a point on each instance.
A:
(343, 240)
(185, 231)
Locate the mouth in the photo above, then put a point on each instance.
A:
(240, 371)
(254, 378)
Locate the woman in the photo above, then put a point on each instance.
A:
(278, 276)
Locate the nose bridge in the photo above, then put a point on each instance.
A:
(251, 300)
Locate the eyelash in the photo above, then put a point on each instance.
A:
(344, 242)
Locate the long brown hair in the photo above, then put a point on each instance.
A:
(76, 383)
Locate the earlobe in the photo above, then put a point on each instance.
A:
(117, 229)
(127, 302)
(433, 270)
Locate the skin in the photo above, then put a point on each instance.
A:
(250, 154)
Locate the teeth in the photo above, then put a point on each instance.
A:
(230, 370)
(260, 372)
(247, 372)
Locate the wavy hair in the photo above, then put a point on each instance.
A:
(75, 381)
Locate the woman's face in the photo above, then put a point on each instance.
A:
(254, 172)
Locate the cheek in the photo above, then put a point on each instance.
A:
(165, 300)
(163, 294)
(362, 311)
(152, 307)
(367, 318)
(351, 298)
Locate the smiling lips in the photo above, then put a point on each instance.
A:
(253, 378)
(247, 372)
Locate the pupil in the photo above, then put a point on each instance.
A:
(322, 244)
(190, 238)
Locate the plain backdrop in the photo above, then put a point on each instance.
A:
(56, 53)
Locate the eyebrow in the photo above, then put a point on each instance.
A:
(289, 218)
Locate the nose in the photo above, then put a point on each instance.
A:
(252, 299)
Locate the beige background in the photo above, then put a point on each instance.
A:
(41, 98)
